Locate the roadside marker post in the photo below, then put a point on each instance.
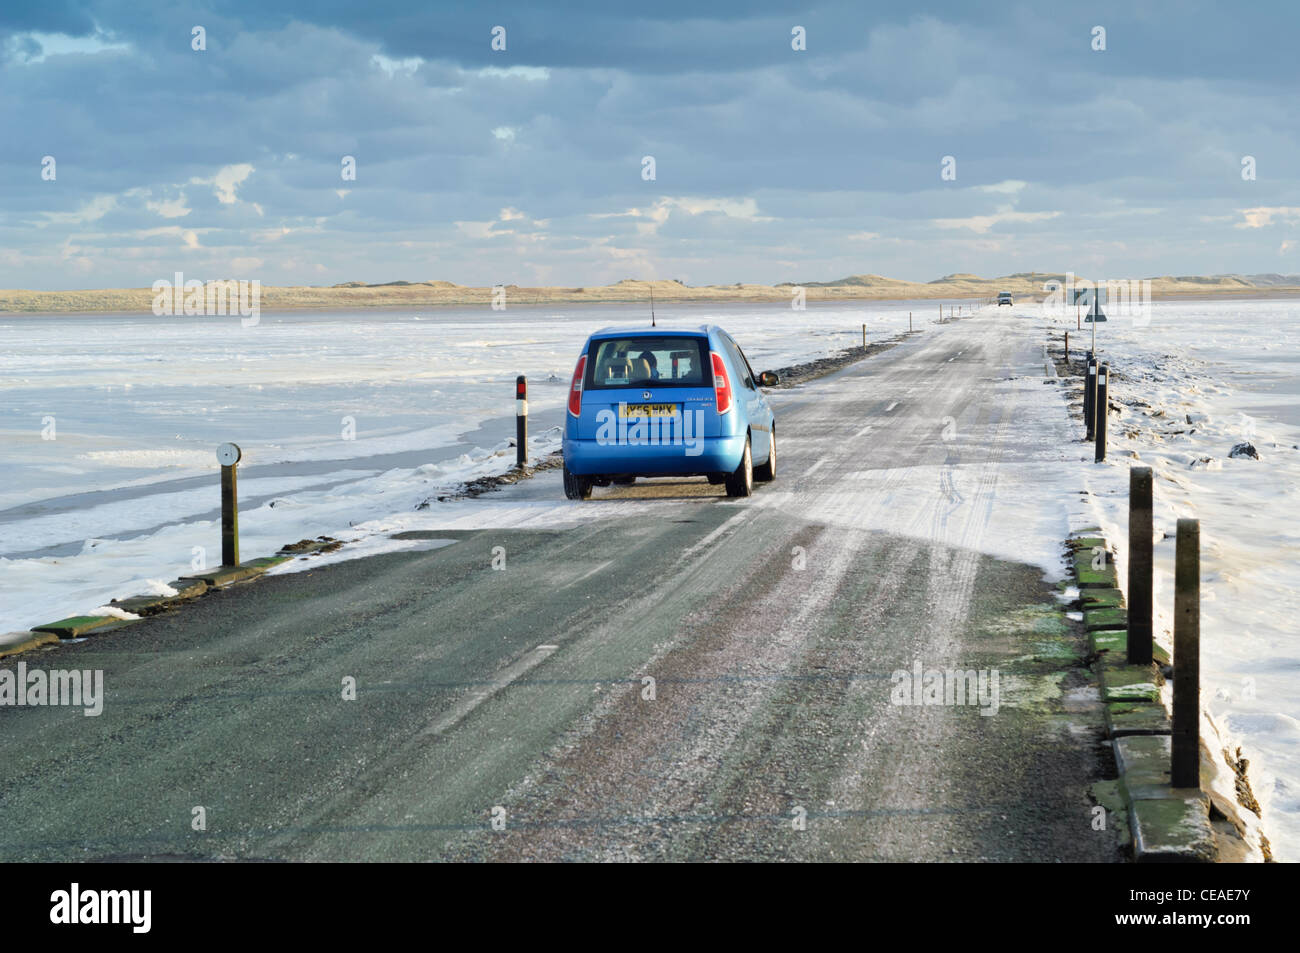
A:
(864, 336)
(1067, 348)
(521, 421)
(1095, 317)
(1141, 565)
(1090, 397)
(228, 455)
(1103, 411)
(1185, 766)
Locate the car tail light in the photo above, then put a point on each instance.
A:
(575, 388)
(721, 383)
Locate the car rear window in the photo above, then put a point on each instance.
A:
(654, 359)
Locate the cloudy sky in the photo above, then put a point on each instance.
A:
(526, 164)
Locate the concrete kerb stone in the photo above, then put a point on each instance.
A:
(1101, 599)
(1124, 718)
(15, 643)
(186, 588)
(1166, 824)
(224, 576)
(1104, 618)
(80, 626)
(1169, 824)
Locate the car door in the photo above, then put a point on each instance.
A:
(757, 412)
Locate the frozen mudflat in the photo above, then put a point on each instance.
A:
(109, 477)
(1195, 381)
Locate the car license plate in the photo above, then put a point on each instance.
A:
(647, 410)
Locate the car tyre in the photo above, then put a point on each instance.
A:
(741, 482)
(766, 472)
(576, 487)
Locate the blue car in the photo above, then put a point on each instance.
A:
(648, 402)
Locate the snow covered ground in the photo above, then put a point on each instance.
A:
(1198, 379)
(342, 418)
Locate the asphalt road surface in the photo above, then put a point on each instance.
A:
(670, 675)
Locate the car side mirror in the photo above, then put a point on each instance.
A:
(769, 379)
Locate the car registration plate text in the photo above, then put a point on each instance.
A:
(647, 410)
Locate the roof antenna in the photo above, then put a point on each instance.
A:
(652, 304)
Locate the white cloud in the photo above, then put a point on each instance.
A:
(741, 208)
(226, 181)
(531, 74)
(170, 208)
(1263, 216)
(392, 67)
(982, 223)
(58, 44)
(1007, 187)
(478, 230)
(92, 211)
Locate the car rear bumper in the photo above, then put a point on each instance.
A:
(705, 455)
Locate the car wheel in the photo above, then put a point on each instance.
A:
(576, 487)
(741, 483)
(767, 471)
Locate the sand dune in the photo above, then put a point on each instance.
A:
(404, 294)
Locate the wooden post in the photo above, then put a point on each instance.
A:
(1185, 769)
(1140, 565)
(521, 421)
(864, 337)
(1103, 411)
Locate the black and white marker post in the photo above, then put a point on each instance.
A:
(1096, 312)
(1090, 397)
(1103, 411)
(521, 421)
(228, 455)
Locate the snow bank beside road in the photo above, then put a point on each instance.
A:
(1198, 380)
